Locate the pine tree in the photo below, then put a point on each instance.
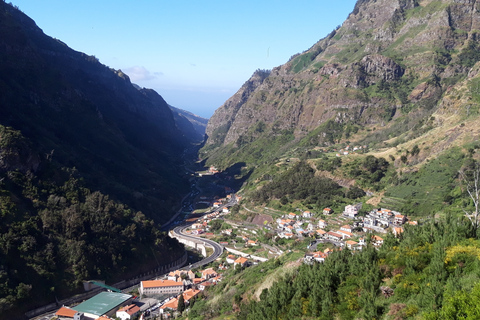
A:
(181, 304)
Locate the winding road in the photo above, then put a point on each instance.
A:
(217, 248)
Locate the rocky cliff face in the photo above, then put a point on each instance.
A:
(389, 59)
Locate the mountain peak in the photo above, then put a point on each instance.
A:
(389, 60)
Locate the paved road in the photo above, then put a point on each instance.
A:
(217, 249)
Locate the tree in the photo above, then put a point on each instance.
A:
(471, 179)
(415, 150)
(215, 225)
(181, 304)
(355, 193)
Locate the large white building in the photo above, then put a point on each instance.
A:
(157, 287)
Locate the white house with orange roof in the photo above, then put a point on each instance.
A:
(242, 261)
(327, 211)
(307, 214)
(334, 236)
(377, 241)
(345, 234)
(320, 256)
(209, 273)
(399, 219)
(352, 245)
(322, 224)
(157, 287)
(321, 232)
(189, 295)
(346, 228)
(171, 304)
(65, 312)
(127, 312)
(397, 231)
(292, 216)
(204, 285)
(230, 258)
(351, 211)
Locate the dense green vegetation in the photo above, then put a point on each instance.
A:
(55, 232)
(425, 270)
(252, 149)
(70, 107)
(299, 183)
(429, 189)
(89, 169)
(431, 272)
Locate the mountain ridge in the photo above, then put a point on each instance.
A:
(90, 168)
(389, 61)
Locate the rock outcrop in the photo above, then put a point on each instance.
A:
(388, 55)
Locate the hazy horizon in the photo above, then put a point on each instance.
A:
(195, 54)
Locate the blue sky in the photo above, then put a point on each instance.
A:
(196, 54)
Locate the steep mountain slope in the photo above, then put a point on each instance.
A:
(123, 141)
(193, 125)
(381, 75)
(88, 170)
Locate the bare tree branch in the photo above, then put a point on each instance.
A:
(473, 188)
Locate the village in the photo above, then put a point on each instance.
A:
(244, 245)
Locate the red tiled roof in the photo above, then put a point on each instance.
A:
(130, 309)
(334, 234)
(345, 232)
(172, 304)
(241, 260)
(161, 283)
(190, 293)
(65, 312)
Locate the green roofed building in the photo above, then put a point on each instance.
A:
(104, 303)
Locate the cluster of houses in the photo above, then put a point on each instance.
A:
(176, 283)
(187, 284)
(201, 225)
(347, 150)
(293, 224)
(377, 221)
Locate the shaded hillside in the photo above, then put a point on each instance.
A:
(194, 126)
(88, 116)
(381, 75)
(88, 170)
(56, 233)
